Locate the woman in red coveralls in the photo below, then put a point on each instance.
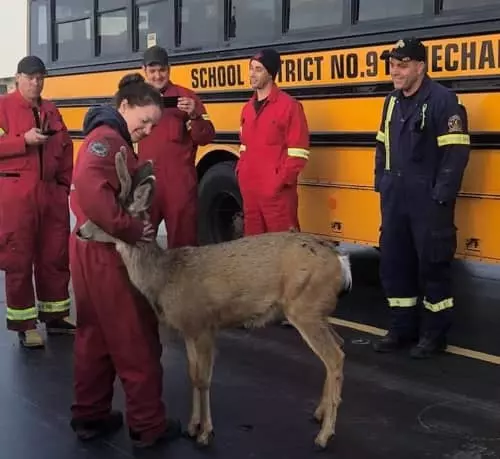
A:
(117, 332)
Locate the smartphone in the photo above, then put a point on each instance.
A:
(170, 102)
(49, 132)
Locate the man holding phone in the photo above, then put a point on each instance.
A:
(36, 164)
(172, 146)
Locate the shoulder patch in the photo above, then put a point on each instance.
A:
(99, 149)
(455, 124)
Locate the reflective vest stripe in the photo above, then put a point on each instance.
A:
(54, 306)
(453, 139)
(298, 153)
(381, 137)
(22, 314)
(387, 139)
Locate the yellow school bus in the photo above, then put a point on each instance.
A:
(330, 61)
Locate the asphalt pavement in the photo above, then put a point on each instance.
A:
(267, 383)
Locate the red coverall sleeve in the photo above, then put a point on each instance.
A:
(10, 145)
(297, 141)
(200, 127)
(64, 174)
(96, 190)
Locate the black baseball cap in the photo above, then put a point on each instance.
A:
(155, 55)
(407, 49)
(30, 65)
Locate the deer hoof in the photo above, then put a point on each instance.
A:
(321, 442)
(192, 431)
(205, 439)
(317, 417)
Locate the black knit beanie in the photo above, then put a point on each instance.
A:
(270, 59)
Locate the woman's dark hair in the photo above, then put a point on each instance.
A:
(133, 88)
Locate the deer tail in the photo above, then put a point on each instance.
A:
(345, 266)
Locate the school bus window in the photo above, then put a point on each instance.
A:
(307, 14)
(252, 20)
(199, 23)
(112, 36)
(39, 28)
(370, 10)
(459, 4)
(155, 25)
(109, 5)
(73, 40)
(72, 9)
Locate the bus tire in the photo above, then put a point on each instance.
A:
(220, 214)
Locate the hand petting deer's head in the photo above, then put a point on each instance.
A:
(136, 195)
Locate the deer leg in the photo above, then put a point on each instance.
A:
(319, 338)
(194, 422)
(205, 349)
(320, 410)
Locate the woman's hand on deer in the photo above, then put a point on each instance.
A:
(148, 232)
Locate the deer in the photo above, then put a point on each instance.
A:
(248, 282)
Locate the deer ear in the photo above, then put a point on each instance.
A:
(123, 174)
(143, 195)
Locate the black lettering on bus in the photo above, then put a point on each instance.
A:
(469, 56)
(371, 64)
(212, 77)
(338, 67)
(221, 76)
(195, 81)
(486, 56)
(290, 72)
(352, 65)
(451, 63)
(436, 57)
(319, 65)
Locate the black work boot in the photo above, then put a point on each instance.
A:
(403, 330)
(90, 429)
(393, 342)
(172, 432)
(428, 345)
(433, 337)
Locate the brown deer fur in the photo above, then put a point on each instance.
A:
(251, 281)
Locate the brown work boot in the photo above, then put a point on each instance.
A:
(172, 432)
(60, 327)
(89, 429)
(31, 339)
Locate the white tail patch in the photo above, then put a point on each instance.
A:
(345, 264)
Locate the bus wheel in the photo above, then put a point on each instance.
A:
(220, 215)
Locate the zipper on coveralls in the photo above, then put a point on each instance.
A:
(38, 123)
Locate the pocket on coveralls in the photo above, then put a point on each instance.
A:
(443, 245)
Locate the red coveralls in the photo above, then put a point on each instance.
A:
(274, 149)
(172, 146)
(117, 331)
(34, 212)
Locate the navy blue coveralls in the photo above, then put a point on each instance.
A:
(422, 150)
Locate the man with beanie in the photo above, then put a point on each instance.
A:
(172, 146)
(274, 149)
(36, 164)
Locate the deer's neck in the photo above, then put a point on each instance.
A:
(143, 263)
